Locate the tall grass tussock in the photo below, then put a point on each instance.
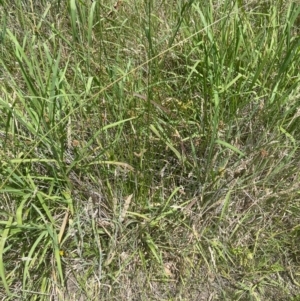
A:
(149, 150)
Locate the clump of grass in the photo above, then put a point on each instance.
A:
(149, 151)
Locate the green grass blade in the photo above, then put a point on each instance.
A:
(32, 256)
(73, 12)
(228, 145)
(91, 23)
(4, 237)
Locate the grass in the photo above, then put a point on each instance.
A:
(149, 150)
